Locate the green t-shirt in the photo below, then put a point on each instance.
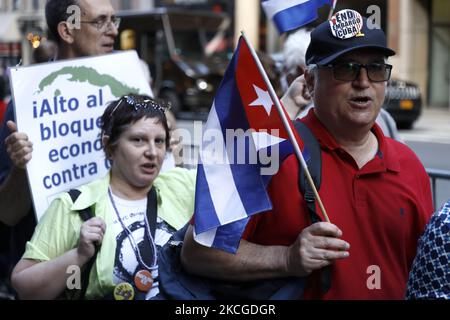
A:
(59, 229)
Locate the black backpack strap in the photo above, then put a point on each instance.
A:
(85, 215)
(313, 159)
(152, 210)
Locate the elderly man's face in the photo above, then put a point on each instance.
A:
(348, 103)
(91, 40)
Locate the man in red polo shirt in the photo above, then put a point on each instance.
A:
(375, 189)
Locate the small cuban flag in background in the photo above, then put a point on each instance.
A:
(292, 14)
(228, 191)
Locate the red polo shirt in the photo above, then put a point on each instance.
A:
(381, 209)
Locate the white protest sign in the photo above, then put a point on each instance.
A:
(59, 106)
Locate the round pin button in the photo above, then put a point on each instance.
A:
(346, 24)
(123, 291)
(143, 280)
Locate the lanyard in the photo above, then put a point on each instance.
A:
(150, 227)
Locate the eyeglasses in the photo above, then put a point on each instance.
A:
(103, 24)
(141, 103)
(349, 71)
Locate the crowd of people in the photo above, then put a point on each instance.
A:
(335, 85)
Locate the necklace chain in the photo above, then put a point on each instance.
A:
(131, 238)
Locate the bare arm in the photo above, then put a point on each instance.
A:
(44, 280)
(15, 197)
(316, 247)
(251, 261)
(48, 279)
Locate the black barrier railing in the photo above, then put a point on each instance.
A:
(435, 174)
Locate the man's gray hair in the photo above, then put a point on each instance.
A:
(294, 50)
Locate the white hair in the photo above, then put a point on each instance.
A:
(294, 50)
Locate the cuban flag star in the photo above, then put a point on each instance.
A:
(292, 14)
(243, 124)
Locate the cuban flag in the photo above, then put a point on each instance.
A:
(243, 123)
(292, 14)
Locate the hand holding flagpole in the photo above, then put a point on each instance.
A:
(285, 120)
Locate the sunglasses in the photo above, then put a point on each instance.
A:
(349, 71)
(140, 103)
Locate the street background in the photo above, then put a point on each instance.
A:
(430, 140)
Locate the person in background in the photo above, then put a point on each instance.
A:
(135, 137)
(128, 42)
(297, 99)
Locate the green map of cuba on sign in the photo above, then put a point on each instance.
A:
(59, 106)
(91, 76)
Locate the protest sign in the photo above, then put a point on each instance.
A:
(59, 105)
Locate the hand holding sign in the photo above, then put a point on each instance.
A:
(18, 146)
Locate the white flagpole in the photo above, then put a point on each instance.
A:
(285, 120)
(332, 9)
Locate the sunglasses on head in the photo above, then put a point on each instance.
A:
(140, 103)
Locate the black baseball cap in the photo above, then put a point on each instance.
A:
(346, 31)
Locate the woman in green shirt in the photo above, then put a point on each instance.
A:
(125, 228)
